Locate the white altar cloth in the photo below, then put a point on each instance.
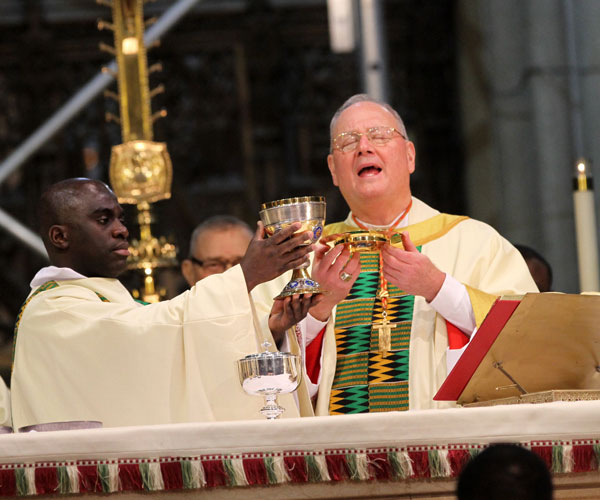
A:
(332, 444)
(515, 423)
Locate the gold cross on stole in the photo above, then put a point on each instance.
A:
(384, 331)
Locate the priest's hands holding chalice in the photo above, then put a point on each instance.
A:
(304, 216)
(336, 269)
(269, 257)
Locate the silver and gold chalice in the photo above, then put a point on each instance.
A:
(269, 374)
(279, 214)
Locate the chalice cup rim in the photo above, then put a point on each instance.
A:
(292, 201)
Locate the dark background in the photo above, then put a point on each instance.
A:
(263, 71)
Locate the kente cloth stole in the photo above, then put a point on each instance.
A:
(364, 380)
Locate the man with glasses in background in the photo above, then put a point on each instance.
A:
(219, 243)
(216, 244)
(378, 341)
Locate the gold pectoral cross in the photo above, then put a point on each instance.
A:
(384, 331)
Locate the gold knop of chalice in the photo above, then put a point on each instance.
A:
(279, 214)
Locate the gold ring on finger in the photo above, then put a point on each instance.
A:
(344, 276)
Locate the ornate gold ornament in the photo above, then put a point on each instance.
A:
(140, 169)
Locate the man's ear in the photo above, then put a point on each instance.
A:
(410, 156)
(59, 236)
(331, 165)
(187, 269)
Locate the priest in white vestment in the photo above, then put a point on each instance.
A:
(87, 351)
(428, 289)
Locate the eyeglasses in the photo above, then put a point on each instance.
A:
(216, 265)
(347, 142)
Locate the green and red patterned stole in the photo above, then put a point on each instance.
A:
(366, 381)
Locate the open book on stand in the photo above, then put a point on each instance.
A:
(533, 348)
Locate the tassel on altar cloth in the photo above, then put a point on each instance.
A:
(276, 470)
(568, 458)
(317, 468)
(152, 476)
(68, 479)
(235, 470)
(108, 475)
(401, 464)
(439, 465)
(193, 474)
(358, 466)
(562, 458)
(25, 479)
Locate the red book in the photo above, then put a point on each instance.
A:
(487, 333)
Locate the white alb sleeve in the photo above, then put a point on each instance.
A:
(453, 303)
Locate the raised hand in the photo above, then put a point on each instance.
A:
(336, 271)
(267, 258)
(410, 270)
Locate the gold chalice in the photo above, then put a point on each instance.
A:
(310, 211)
(361, 241)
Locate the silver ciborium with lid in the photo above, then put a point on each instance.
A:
(279, 214)
(269, 374)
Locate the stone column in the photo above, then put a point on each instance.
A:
(516, 115)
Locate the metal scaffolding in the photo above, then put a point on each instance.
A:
(67, 112)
